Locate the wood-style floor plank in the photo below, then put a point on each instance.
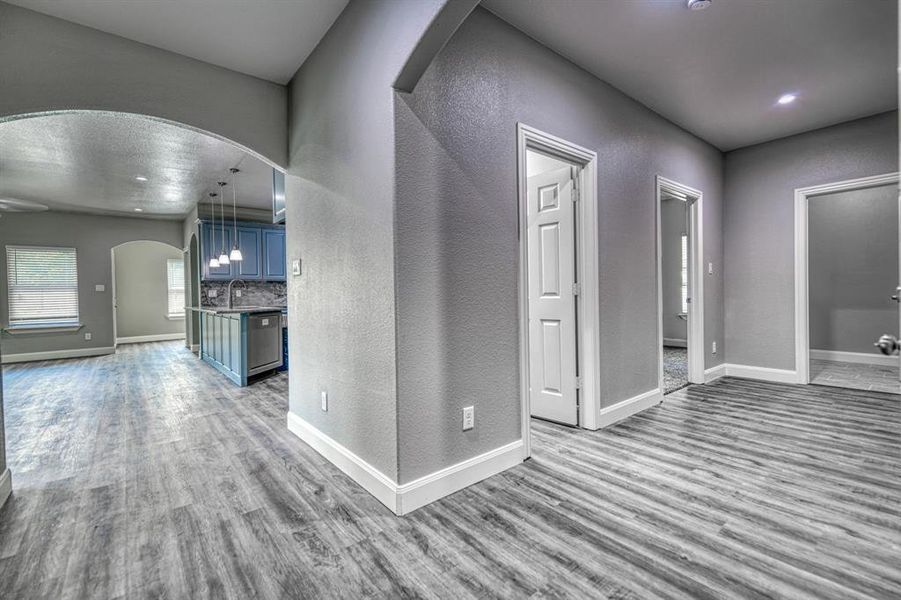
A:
(148, 475)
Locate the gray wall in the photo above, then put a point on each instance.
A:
(142, 289)
(93, 237)
(340, 193)
(853, 268)
(52, 64)
(456, 233)
(673, 215)
(758, 226)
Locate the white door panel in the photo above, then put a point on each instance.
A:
(552, 309)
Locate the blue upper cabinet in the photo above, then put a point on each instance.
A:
(224, 272)
(250, 243)
(262, 248)
(274, 267)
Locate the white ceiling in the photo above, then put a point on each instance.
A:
(88, 162)
(718, 72)
(269, 39)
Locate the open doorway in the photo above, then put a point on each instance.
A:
(680, 293)
(558, 281)
(852, 265)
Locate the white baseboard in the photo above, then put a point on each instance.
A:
(6, 486)
(630, 406)
(445, 482)
(855, 357)
(714, 373)
(57, 354)
(159, 337)
(762, 373)
(403, 499)
(675, 342)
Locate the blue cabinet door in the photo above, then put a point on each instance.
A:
(222, 241)
(250, 243)
(274, 268)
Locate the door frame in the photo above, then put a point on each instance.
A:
(802, 280)
(588, 336)
(695, 329)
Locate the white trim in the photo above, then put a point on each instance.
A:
(159, 337)
(403, 499)
(855, 357)
(57, 354)
(439, 484)
(762, 373)
(370, 479)
(714, 373)
(6, 485)
(695, 342)
(195, 348)
(802, 306)
(675, 343)
(630, 406)
(588, 305)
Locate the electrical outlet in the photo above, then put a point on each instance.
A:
(324, 396)
(212, 293)
(469, 418)
(710, 268)
(714, 347)
(237, 293)
(88, 337)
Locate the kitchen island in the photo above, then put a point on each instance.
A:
(242, 342)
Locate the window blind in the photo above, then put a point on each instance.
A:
(684, 273)
(43, 285)
(175, 270)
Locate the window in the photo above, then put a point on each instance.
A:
(175, 275)
(685, 274)
(43, 286)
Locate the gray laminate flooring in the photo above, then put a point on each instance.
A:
(877, 378)
(148, 475)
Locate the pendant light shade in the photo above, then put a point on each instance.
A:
(214, 261)
(235, 255)
(223, 257)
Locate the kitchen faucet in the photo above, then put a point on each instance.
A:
(230, 284)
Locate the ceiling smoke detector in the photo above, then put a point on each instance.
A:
(699, 4)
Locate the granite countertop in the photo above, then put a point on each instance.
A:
(223, 310)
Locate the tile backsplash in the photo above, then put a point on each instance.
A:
(257, 293)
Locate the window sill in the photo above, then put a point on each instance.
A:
(175, 317)
(47, 328)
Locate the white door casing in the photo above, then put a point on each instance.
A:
(552, 300)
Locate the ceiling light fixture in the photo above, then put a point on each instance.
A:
(699, 4)
(139, 210)
(223, 257)
(235, 255)
(214, 262)
(787, 98)
(141, 178)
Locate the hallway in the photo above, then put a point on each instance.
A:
(144, 474)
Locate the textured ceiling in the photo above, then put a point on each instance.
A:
(88, 162)
(718, 72)
(269, 39)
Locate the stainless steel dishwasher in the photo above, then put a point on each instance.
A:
(264, 342)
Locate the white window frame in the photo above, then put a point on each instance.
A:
(169, 289)
(41, 324)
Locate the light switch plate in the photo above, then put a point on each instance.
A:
(324, 396)
(99, 288)
(295, 267)
(710, 268)
(469, 418)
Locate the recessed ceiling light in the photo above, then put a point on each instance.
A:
(699, 4)
(787, 98)
(139, 210)
(141, 178)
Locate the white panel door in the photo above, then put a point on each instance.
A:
(552, 307)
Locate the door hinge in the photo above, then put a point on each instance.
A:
(577, 289)
(578, 383)
(575, 194)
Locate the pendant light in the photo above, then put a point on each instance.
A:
(223, 257)
(235, 255)
(214, 262)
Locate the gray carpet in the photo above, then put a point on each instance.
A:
(675, 368)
